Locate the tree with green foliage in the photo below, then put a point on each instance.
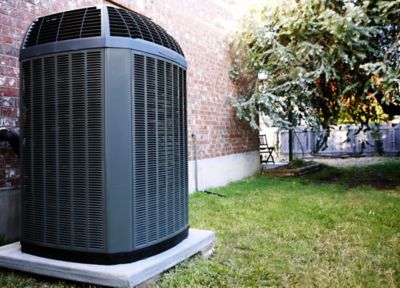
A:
(319, 62)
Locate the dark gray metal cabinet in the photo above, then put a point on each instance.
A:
(103, 113)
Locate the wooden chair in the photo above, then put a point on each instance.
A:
(266, 151)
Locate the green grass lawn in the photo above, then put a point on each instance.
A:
(336, 228)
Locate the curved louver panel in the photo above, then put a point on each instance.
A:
(73, 24)
(125, 23)
(85, 23)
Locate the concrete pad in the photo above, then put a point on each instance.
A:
(121, 275)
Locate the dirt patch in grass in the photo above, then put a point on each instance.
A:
(381, 176)
(299, 163)
(380, 185)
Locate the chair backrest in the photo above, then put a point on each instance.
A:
(263, 140)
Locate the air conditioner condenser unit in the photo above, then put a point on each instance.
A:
(104, 153)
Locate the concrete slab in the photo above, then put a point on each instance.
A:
(121, 275)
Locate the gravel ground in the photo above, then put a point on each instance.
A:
(353, 161)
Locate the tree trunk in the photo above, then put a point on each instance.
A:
(290, 145)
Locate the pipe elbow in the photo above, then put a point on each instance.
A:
(11, 137)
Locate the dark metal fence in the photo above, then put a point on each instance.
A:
(343, 140)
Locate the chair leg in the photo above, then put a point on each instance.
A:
(270, 157)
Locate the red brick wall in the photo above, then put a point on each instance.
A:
(201, 29)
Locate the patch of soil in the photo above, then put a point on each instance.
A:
(357, 178)
(332, 177)
(376, 183)
(299, 163)
(287, 171)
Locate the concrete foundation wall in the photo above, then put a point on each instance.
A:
(219, 171)
(10, 214)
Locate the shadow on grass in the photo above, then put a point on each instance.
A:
(13, 278)
(382, 176)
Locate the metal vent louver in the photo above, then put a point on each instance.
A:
(63, 172)
(125, 23)
(160, 148)
(73, 24)
(105, 138)
(84, 23)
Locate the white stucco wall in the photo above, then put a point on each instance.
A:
(219, 171)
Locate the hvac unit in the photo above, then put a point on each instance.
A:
(103, 95)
